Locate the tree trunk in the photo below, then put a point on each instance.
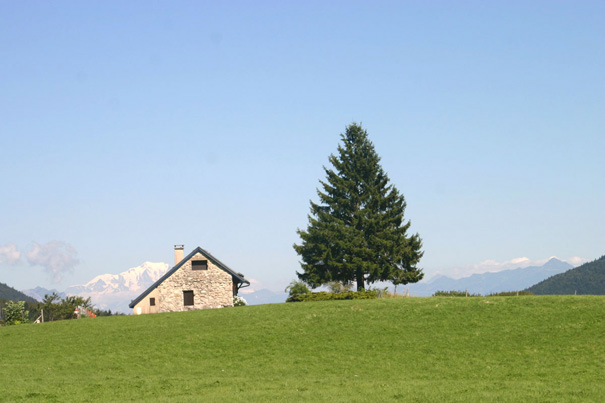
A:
(360, 282)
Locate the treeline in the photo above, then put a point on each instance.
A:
(53, 306)
(8, 293)
(587, 279)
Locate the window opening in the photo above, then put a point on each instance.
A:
(199, 264)
(188, 298)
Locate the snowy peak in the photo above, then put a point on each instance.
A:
(115, 291)
(134, 279)
(112, 291)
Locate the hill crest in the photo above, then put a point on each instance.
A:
(10, 294)
(587, 279)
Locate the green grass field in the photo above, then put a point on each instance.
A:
(548, 348)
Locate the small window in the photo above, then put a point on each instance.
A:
(151, 301)
(188, 298)
(199, 264)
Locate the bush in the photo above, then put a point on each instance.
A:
(494, 294)
(331, 296)
(338, 287)
(297, 287)
(15, 313)
(454, 294)
(509, 293)
(239, 301)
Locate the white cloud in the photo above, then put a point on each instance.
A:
(9, 254)
(255, 285)
(576, 261)
(56, 257)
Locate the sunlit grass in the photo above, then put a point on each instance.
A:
(409, 349)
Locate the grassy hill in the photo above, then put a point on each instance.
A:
(587, 279)
(10, 294)
(415, 349)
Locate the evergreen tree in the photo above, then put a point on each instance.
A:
(357, 232)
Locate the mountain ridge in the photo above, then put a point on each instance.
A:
(10, 294)
(116, 291)
(112, 291)
(136, 279)
(491, 282)
(587, 279)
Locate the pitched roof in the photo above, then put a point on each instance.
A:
(237, 276)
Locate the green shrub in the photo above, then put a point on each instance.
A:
(338, 287)
(15, 313)
(454, 294)
(297, 287)
(494, 294)
(331, 296)
(509, 293)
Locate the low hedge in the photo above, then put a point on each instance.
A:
(494, 294)
(331, 296)
(509, 293)
(454, 294)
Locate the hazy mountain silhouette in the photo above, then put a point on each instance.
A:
(588, 278)
(487, 283)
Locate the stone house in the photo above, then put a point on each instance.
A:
(197, 281)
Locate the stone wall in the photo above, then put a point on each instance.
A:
(212, 288)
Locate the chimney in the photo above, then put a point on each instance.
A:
(179, 253)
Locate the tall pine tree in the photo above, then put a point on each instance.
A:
(357, 232)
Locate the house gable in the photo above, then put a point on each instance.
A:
(190, 288)
(213, 284)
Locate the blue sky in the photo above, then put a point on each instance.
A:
(128, 127)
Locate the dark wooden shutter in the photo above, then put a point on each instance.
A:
(188, 298)
(199, 265)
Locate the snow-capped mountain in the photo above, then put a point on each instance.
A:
(113, 291)
(134, 280)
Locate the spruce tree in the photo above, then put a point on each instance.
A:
(357, 232)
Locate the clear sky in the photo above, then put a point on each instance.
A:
(128, 127)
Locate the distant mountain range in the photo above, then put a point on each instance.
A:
(112, 291)
(263, 296)
(133, 281)
(587, 279)
(38, 293)
(487, 283)
(115, 291)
